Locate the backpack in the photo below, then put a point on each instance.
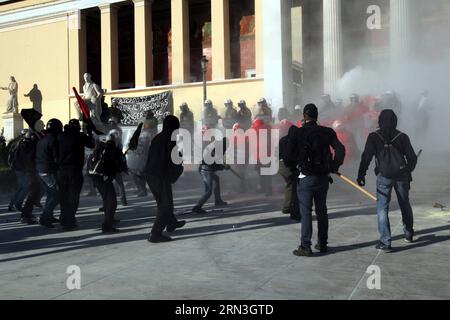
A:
(96, 162)
(11, 150)
(317, 159)
(391, 162)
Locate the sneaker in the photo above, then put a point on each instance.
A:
(221, 203)
(286, 211)
(302, 252)
(70, 228)
(46, 224)
(101, 209)
(409, 239)
(178, 225)
(159, 238)
(54, 220)
(198, 210)
(381, 246)
(142, 194)
(29, 221)
(321, 248)
(110, 230)
(296, 217)
(124, 201)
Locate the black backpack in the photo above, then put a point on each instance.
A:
(96, 161)
(317, 158)
(391, 162)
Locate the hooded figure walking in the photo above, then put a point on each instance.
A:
(162, 172)
(395, 161)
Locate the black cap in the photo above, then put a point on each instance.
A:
(311, 111)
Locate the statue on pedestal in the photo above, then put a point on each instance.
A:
(93, 96)
(13, 103)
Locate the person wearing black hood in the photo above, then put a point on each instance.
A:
(309, 149)
(47, 167)
(71, 144)
(161, 173)
(395, 161)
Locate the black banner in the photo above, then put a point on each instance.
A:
(133, 109)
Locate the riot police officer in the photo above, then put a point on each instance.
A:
(210, 115)
(186, 118)
(264, 111)
(231, 115)
(244, 116)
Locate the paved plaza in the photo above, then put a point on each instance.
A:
(244, 252)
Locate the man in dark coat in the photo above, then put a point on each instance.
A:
(162, 172)
(71, 144)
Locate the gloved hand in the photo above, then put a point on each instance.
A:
(361, 181)
(334, 168)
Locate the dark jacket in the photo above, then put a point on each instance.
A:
(296, 147)
(112, 161)
(71, 146)
(47, 154)
(24, 158)
(159, 161)
(388, 130)
(214, 166)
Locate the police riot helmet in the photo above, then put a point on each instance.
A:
(74, 125)
(242, 103)
(54, 126)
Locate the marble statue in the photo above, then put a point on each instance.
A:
(13, 103)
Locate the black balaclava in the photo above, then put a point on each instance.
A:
(388, 123)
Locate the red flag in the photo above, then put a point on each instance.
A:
(84, 108)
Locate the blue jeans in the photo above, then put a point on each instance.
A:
(384, 191)
(313, 189)
(212, 183)
(52, 192)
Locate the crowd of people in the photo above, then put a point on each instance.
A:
(57, 161)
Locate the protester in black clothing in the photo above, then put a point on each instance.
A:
(162, 172)
(47, 167)
(71, 144)
(290, 174)
(105, 163)
(309, 148)
(395, 161)
(210, 178)
(24, 165)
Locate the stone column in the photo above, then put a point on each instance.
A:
(77, 49)
(143, 43)
(277, 53)
(181, 72)
(110, 47)
(220, 19)
(259, 37)
(400, 29)
(332, 45)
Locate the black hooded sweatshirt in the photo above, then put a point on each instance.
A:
(159, 162)
(388, 130)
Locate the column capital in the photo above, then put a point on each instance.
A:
(108, 7)
(142, 3)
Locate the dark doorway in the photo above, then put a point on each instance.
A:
(125, 21)
(93, 44)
